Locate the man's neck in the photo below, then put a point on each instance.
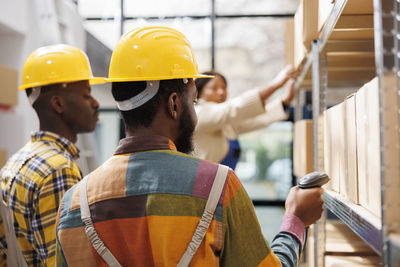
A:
(60, 130)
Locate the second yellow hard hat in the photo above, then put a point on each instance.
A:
(57, 64)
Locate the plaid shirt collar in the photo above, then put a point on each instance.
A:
(63, 143)
(134, 144)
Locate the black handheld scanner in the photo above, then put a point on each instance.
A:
(314, 179)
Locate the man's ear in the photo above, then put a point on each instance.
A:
(57, 103)
(174, 104)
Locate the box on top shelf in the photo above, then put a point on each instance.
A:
(355, 22)
(8, 87)
(358, 7)
(352, 7)
(305, 28)
(289, 41)
(302, 148)
(368, 147)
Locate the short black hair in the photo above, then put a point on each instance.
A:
(144, 115)
(201, 82)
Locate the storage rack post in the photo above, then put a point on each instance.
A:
(319, 82)
(386, 19)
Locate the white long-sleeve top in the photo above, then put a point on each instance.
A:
(219, 121)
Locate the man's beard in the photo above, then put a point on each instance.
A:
(184, 142)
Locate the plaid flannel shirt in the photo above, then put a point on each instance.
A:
(33, 182)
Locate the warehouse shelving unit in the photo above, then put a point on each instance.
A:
(318, 72)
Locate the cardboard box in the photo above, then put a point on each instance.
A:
(310, 247)
(334, 145)
(352, 7)
(358, 7)
(325, 8)
(305, 27)
(3, 157)
(349, 183)
(302, 148)
(353, 261)
(321, 143)
(289, 41)
(368, 147)
(328, 146)
(300, 50)
(8, 86)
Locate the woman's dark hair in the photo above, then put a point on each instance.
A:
(201, 82)
(145, 114)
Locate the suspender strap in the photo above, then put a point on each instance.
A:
(207, 217)
(91, 233)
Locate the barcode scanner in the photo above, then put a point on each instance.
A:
(314, 179)
(311, 180)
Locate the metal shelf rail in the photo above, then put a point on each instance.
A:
(383, 235)
(369, 229)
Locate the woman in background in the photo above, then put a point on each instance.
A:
(221, 121)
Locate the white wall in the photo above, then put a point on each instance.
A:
(26, 25)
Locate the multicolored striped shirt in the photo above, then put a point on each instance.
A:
(33, 182)
(146, 201)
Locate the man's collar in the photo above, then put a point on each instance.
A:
(62, 142)
(134, 144)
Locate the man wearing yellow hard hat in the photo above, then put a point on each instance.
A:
(152, 204)
(57, 81)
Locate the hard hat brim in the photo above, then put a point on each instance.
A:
(97, 80)
(138, 79)
(93, 80)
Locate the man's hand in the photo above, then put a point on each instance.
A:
(306, 204)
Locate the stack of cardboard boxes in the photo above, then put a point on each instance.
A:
(352, 148)
(351, 128)
(8, 97)
(356, 22)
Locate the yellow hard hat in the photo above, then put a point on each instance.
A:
(153, 53)
(57, 64)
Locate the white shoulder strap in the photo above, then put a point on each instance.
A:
(207, 217)
(91, 233)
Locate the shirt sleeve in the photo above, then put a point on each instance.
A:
(215, 116)
(274, 112)
(244, 243)
(287, 244)
(46, 203)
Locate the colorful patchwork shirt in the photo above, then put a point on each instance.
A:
(146, 202)
(33, 182)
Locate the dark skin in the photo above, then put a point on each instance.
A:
(166, 121)
(67, 110)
